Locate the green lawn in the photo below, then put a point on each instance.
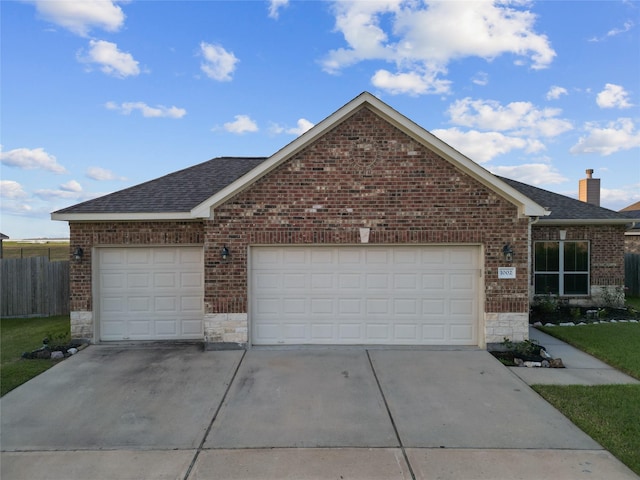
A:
(617, 344)
(19, 335)
(607, 413)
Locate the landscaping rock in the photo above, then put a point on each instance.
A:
(72, 351)
(518, 362)
(537, 324)
(545, 364)
(567, 324)
(556, 363)
(57, 355)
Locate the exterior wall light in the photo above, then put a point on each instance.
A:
(224, 253)
(78, 253)
(507, 251)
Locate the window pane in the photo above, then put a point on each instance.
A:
(576, 257)
(547, 257)
(546, 283)
(576, 284)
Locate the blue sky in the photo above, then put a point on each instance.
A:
(101, 95)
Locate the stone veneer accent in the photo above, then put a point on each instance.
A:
(226, 328)
(514, 326)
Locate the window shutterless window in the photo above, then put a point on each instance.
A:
(561, 268)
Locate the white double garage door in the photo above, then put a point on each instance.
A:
(399, 295)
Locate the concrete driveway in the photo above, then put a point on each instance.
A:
(176, 412)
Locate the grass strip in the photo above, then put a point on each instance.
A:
(607, 413)
(616, 344)
(18, 335)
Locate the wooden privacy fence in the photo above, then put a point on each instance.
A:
(632, 273)
(33, 287)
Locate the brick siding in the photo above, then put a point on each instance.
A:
(606, 262)
(365, 173)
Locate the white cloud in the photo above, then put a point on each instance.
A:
(303, 125)
(219, 64)
(481, 78)
(482, 147)
(111, 60)
(424, 37)
(628, 25)
(102, 174)
(555, 92)
(520, 118)
(159, 111)
(617, 136)
(31, 159)
(530, 173)
(80, 17)
(71, 186)
(11, 189)
(241, 124)
(620, 196)
(411, 83)
(275, 6)
(613, 96)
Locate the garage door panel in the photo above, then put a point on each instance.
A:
(150, 293)
(322, 280)
(350, 331)
(138, 304)
(433, 281)
(358, 295)
(434, 334)
(322, 306)
(379, 332)
(137, 256)
(137, 280)
(377, 306)
(322, 331)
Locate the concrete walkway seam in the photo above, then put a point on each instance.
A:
(215, 415)
(393, 423)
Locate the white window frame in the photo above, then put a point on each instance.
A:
(561, 272)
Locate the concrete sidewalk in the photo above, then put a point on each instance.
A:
(325, 413)
(580, 368)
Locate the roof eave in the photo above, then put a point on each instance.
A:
(115, 217)
(584, 221)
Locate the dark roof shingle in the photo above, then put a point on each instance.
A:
(561, 206)
(176, 192)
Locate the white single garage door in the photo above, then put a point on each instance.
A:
(405, 295)
(150, 293)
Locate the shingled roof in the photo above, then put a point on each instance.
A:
(176, 192)
(566, 208)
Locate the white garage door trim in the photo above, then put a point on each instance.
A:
(395, 295)
(149, 293)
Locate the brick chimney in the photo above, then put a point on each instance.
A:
(589, 189)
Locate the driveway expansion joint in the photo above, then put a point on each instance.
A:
(213, 419)
(393, 423)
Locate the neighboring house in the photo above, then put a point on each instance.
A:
(367, 229)
(3, 237)
(632, 236)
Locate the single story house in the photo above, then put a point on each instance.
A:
(367, 229)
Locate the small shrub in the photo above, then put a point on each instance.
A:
(526, 347)
(547, 303)
(575, 313)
